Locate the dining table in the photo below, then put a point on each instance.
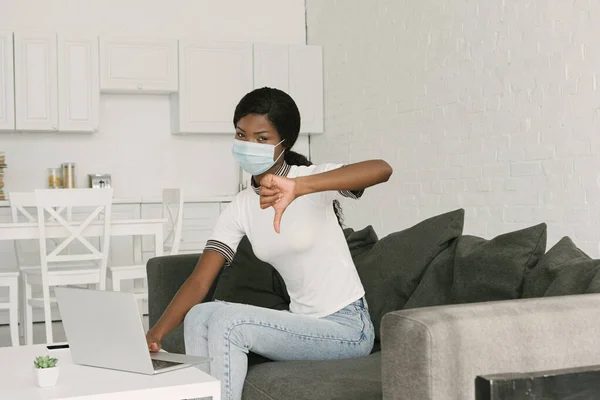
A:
(135, 227)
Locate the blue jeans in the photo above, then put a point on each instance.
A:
(228, 331)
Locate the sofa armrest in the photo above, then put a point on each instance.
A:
(437, 352)
(165, 277)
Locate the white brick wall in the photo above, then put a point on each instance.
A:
(488, 105)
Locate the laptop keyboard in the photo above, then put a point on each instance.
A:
(160, 364)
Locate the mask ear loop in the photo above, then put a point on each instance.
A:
(280, 154)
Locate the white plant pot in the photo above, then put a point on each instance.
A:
(45, 377)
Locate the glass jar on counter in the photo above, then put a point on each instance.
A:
(68, 175)
(54, 178)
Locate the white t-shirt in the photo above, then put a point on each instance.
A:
(310, 253)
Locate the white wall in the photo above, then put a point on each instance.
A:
(134, 143)
(487, 105)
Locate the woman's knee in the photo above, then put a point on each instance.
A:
(200, 314)
(226, 315)
(229, 323)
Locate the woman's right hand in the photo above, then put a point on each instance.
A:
(153, 342)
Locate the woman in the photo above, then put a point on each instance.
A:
(291, 217)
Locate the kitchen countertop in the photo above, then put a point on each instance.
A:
(158, 200)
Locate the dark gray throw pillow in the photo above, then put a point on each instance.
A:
(563, 270)
(249, 280)
(391, 270)
(486, 270)
(361, 241)
(435, 288)
(540, 277)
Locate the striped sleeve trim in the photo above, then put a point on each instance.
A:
(353, 194)
(222, 249)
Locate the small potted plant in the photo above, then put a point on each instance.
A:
(45, 371)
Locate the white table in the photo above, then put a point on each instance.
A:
(88, 383)
(123, 227)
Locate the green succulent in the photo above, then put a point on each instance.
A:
(45, 362)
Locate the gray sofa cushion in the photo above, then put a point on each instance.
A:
(351, 379)
(563, 270)
(486, 270)
(249, 280)
(391, 270)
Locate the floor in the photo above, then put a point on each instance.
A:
(39, 333)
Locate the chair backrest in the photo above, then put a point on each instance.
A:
(172, 210)
(23, 209)
(67, 231)
(18, 203)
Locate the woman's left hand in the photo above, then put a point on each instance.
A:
(277, 192)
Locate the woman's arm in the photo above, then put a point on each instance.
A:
(278, 191)
(192, 292)
(356, 176)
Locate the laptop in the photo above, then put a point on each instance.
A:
(104, 329)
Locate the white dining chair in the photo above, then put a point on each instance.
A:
(86, 267)
(172, 212)
(24, 209)
(21, 205)
(10, 280)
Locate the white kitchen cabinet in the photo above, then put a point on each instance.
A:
(78, 84)
(36, 82)
(298, 71)
(213, 77)
(7, 83)
(138, 65)
(271, 66)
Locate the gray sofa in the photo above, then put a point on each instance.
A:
(447, 307)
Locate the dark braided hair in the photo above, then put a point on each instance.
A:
(281, 111)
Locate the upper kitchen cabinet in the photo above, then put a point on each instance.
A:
(138, 66)
(272, 66)
(297, 70)
(36, 82)
(56, 83)
(78, 84)
(213, 77)
(7, 83)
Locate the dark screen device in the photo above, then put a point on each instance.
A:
(57, 346)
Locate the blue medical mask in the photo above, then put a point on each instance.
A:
(254, 158)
